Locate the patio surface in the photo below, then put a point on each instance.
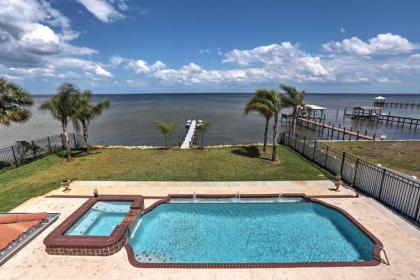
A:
(401, 240)
(152, 188)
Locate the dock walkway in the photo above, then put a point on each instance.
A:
(331, 129)
(411, 122)
(189, 136)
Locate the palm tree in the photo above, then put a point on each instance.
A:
(254, 105)
(271, 101)
(13, 99)
(166, 129)
(202, 129)
(86, 111)
(293, 98)
(62, 107)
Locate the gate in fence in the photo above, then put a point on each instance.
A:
(396, 190)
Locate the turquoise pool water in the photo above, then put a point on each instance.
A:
(247, 233)
(101, 219)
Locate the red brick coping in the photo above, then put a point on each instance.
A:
(376, 249)
(59, 244)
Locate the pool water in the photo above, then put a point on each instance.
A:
(247, 233)
(101, 219)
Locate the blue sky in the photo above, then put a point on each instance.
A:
(128, 46)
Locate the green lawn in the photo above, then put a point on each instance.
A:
(403, 156)
(221, 164)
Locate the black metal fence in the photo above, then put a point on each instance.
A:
(26, 151)
(396, 190)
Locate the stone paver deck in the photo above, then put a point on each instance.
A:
(152, 188)
(401, 240)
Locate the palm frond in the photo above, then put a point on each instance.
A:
(166, 128)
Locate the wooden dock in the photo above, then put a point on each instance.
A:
(330, 129)
(396, 104)
(399, 121)
(192, 124)
(389, 119)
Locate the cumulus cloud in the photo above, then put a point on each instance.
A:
(105, 11)
(271, 63)
(102, 72)
(141, 66)
(35, 38)
(284, 62)
(284, 57)
(382, 44)
(116, 60)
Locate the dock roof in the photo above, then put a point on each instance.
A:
(368, 108)
(313, 107)
(380, 98)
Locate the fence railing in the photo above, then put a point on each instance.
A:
(26, 151)
(396, 190)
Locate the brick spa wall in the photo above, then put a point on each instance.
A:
(59, 244)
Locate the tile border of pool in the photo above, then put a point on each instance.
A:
(57, 243)
(376, 251)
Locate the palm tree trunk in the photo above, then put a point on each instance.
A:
(267, 120)
(85, 135)
(294, 119)
(166, 141)
(202, 141)
(275, 128)
(67, 140)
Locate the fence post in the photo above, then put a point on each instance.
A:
(49, 144)
(382, 183)
(342, 164)
(304, 145)
(288, 139)
(326, 157)
(417, 209)
(313, 154)
(33, 148)
(14, 157)
(355, 172)
(296, 141)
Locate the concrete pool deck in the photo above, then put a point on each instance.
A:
(153, 188)
(401, 240)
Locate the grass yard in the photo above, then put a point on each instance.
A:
(403, 156)
(216, 164)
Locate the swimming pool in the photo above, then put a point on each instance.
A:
(101, 219)
(228, 232)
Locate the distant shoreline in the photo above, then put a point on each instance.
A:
(232, 93)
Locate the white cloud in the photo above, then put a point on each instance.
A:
(342, 30)
(284, 58)
(102, 72)
(116, 60)
(382, 44)
(271, 63)
(141, 66)
(284, 62)
(104, 10)
(35, 40)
